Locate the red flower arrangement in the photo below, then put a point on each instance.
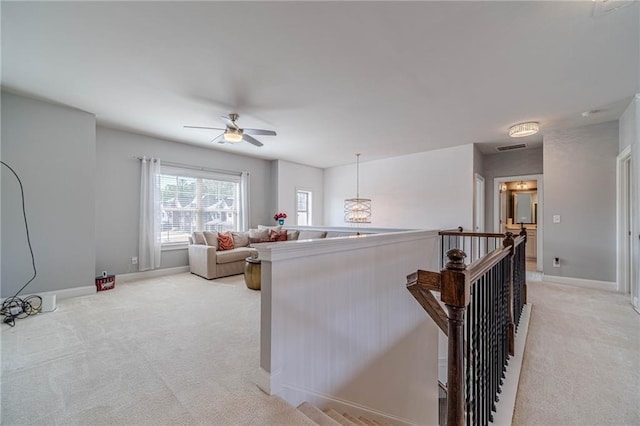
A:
(279, 215)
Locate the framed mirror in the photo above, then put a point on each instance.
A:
(525, 206)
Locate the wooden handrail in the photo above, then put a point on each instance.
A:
(471, 234)
(482, 265)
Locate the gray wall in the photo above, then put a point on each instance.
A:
(53, 150)
(503, 164)
(118, 192)
(580, 186)
(292, 177)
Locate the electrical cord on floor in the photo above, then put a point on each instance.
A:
(16, 307)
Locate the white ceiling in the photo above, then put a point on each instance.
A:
(332, 78)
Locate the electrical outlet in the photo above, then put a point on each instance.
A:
(134, 260)
(556, 262)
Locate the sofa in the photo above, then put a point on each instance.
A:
(210, 257)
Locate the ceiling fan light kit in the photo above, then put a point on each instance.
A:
(524, 129)
(233, 135)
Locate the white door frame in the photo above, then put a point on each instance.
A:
(540, 225)
(624, 226)
(478, 205)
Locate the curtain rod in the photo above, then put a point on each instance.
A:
(192, 167)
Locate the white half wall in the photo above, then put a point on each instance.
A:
(53, 149)
(339, 328)
(292, 177)
(426, 190)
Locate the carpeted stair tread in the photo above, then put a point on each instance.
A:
(338, 417)
(355, 420)
(315, 414)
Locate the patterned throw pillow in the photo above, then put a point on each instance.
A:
(278, 236)
(225, 241)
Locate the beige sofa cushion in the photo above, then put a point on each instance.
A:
(308, 235)
(240, 239)
(198, 238)
(292, 235)
(211, 238)
(234, 255)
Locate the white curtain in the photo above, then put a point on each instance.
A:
(150, 215)
(244, 202)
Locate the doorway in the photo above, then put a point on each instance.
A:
(624, 224)
(478, 217)
(516, 202)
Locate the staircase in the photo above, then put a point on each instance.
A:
(330, 417)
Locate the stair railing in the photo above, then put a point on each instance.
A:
(474, 244)
(491, 291)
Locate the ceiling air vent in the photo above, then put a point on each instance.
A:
(512, 147)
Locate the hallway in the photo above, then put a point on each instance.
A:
(582, 360)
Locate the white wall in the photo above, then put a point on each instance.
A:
(580, 186)
(53, 150)
(292, 177)
(427, 190)
(118, 192)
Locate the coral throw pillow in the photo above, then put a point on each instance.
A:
(225, 241)
(278, 236)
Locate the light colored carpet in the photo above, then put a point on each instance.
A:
(582, 360)
(168, 351)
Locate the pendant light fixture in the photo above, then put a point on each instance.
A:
(357, 210)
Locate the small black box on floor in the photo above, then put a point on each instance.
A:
(105, 283)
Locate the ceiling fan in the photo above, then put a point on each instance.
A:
(234, 133)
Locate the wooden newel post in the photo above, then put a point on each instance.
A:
(455, 293)
(508, 242)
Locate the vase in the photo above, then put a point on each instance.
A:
(280, 221)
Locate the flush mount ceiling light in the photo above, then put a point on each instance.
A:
(522, 185)
(357, 210)
(524, 129)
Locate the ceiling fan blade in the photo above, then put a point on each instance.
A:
(219, 139)
(229, 122)
(259, 132)
(252, 140)
(198, 127)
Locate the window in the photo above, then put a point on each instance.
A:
(197, 201)
(303, 207)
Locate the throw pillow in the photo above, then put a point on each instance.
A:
(278, 236)
(277, 228)
(258, 235)
(198, 238)
(292, 235)
(211, 238)
(225, 241)
(240, 239)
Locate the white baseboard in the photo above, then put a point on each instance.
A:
(291, 393)
(507, 404)
(64, 293)
(268, 382)
(581, 282)
(123, 278)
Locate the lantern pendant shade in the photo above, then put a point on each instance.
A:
(357, 210)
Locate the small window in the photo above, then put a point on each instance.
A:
(303, 208)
